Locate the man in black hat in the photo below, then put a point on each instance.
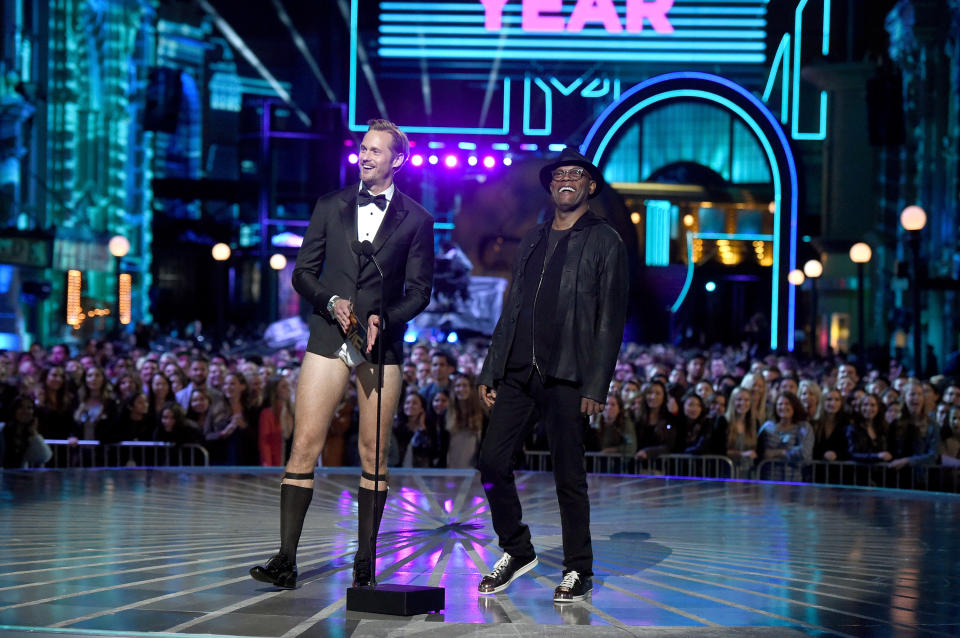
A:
(551, 359)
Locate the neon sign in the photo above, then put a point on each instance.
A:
(535, 15)
(586, 50)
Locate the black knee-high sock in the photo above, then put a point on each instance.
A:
(294, 501)
(368, 522)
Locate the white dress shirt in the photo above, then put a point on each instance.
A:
(369, 217)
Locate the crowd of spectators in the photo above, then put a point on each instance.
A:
(662, 400)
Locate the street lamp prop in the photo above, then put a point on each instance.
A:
(860, 254)
(221, 253)
(913, 219)
(119, 247)
(813, 270)
(278, 261)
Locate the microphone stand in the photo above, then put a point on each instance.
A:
(397, 600)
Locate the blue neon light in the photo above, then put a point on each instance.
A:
(795, 114)
(566, 89)
(598, 56)
(735, 236)
(443, 226)
(783, 52)
(771, 156)
(556, 147)
(427, 45)
(500, 146)
(743, 11)
(467, 146)
(547, 108)
(721, 34)
(658, 233)
(516, 8)
(421, 18)
(686, 284)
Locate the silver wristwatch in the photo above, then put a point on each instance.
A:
(333, 300)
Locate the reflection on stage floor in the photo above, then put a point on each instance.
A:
(139, 551)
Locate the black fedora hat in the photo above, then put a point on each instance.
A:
(570, 157)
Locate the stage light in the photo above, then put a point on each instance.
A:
(417, 160)
(635, 217)
(410, 336)
(433, 159)
(710, 286)
(450, 161)
(472, 160)
(489, 161)
(688, 220)
(453, 337)
(796, 277)
(507, 161)
(352, 158)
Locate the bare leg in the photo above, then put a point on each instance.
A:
(367, 402)
(319, 390)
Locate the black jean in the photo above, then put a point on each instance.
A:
(522, 400)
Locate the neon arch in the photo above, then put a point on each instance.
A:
(766, 128)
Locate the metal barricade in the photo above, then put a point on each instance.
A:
(697, 466)
(929, 477)
(935, 478)
(89, 453)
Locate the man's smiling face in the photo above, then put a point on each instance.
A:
(568, 189)
(377, 160)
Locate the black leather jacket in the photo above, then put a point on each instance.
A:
(593, 294)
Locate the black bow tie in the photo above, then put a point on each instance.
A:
(365, 198)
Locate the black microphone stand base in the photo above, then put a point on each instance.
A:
(396, 600)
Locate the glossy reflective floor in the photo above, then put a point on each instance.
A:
(126, 551)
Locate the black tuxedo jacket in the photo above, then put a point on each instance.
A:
(327, 266)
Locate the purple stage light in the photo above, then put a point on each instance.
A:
(489, 161)
(450, 161)
(433, 159)
(417, 160)
(352, 158)
(472, 160)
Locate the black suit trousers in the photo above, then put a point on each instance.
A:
(522, 400)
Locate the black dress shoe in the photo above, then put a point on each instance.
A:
(504, 572)
(362, 573)
(278, 571)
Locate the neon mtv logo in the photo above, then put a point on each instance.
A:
(540, 15)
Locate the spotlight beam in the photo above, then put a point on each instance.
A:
(492, 81)
(365, 64)
(302, 47)
(237, 42)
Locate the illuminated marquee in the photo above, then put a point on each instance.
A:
(584, 52)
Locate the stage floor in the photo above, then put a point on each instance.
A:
(121, 552)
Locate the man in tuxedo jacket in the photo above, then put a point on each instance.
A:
(341, 284)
